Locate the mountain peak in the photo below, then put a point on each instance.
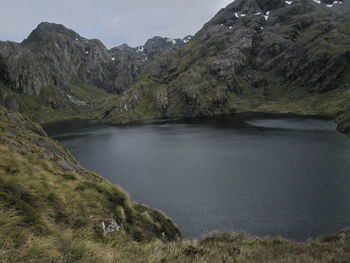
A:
(46, 29)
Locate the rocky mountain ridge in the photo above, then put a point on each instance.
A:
(52, 55)
(57, 70)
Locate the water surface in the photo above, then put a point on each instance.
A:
(275, 175)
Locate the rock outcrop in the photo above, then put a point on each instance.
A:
(51, 56)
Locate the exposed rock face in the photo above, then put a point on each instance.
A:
(127, 65)
(52, 55)
(110, 226)
(253, 52)
(158, 44)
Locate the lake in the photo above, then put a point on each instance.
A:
(261, 174)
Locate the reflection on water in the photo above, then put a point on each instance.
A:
(262, 174)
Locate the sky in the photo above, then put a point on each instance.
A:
(114, 22)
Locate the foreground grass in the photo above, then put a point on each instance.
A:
(53, 209)
(66, 246)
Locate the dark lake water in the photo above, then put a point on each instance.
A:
(275, 175)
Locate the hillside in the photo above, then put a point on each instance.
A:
(254, 55)
(50, 206)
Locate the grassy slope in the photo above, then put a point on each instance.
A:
(52, 104)
(334, 104)
(52, 208)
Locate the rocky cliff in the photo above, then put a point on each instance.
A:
(51, 56)
(128, 62)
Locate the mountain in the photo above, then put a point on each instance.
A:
(158, 44)
(254, 55)
(53, 73)
(57, 71)
(129, 62)
(51, 56)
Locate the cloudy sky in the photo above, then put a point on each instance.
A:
(113, 21)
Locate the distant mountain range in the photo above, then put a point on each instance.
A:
(53, 55)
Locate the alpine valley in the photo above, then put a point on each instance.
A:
(268, 56)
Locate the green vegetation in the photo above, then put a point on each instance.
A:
(53, 104)
(334, 104)
(52, 209)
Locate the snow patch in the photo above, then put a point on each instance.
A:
(86, 52)
(258, 13)
(267, 15)
(139, 49)
(236, 15)
(76, 101)
(187, 39)
(243, 14)
(329, 5)
(317, 1)
(113, 59)
(289, 2)
(171, 40)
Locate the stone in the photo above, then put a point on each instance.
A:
(110, 226)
